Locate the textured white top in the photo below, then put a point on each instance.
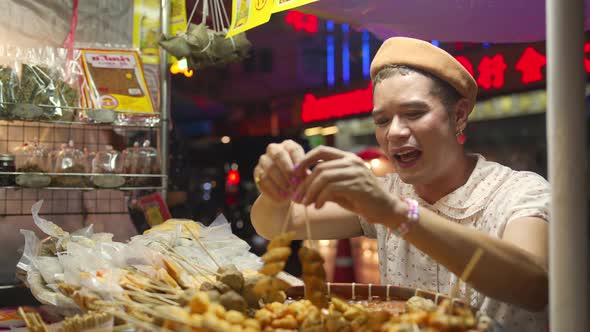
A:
(493, 196)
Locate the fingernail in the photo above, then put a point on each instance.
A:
(295, 180)
(297, 197)
(284, 194)
(295, 167)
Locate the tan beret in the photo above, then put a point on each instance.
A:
(427, 57)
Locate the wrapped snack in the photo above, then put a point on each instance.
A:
(110, 163)
(68, 81)
(32, 158)
(8, 83)
(115, 82)
(70, 160)
(37, 90)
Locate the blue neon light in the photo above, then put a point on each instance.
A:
(366, 55)
(345, 55)
(330, 60)
(435, 43)
(330, 26)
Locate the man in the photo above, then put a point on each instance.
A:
(453, 202)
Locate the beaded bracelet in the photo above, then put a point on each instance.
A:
(413, 217)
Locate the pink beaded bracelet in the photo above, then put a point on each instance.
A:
(413, 217)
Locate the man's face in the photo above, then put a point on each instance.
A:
(413, 127)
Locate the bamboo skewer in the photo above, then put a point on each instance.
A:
(151, 285)
(137, 322)
(159, 297)
(167, 247)
(198, 268)
(21, 312)
(33, 321)
(308, 228)
(466, 272)
(206, 273)
(203, 246)
(154, 312)
(287, 218)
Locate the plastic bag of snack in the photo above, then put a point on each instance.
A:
(69, 79)
(37, 97)
(8, 81)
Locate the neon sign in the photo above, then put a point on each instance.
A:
(301, 21)
(337, 106)
(498, 69)
(510, 68)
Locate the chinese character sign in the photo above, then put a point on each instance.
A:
(510, 68)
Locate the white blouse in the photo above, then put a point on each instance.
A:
(493, 196)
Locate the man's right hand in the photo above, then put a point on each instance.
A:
(274, 172)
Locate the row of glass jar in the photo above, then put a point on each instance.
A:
(35, 157)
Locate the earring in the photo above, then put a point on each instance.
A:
(461, 138)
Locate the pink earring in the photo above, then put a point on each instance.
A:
(461, 138)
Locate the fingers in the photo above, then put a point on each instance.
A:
(295, 151)
(322, 175)
(324, 153)
(270, 170)
(274, 172)
(266, 185)
(332, 192)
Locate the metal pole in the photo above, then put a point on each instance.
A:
(566, 137)
(164, 96)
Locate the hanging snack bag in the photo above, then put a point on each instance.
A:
(115, 81)
(8, 81)
(37, 95)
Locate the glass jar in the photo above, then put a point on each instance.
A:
(73, 161)
(107, 166)
(31, 157)
(7, 165)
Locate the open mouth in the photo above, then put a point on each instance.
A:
(407, 158)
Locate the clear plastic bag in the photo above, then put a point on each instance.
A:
(110, 163)
(141, 160)
(37, 93)
(69, 78)
(69, 159)
(8, 81)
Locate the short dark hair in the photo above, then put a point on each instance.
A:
(447, 94)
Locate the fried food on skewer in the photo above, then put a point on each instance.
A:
(269, 288)
(314, 277)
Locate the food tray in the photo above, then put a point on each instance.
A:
(395, 295)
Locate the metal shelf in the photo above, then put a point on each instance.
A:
(154, 116)
(87, 174)
(86, 188)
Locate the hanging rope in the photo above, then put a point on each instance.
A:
(190, 18)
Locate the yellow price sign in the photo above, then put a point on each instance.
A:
(281, 5)
(153, 216)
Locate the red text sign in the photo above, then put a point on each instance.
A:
(337, 106)
(301, 21)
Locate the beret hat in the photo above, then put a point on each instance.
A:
(427, 57)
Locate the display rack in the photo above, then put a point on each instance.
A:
(93, 136)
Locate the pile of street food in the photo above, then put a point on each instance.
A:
(179, 277)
